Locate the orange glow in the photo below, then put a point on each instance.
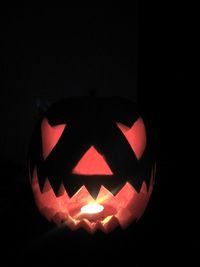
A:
(92, 208)
(136, 136)
(50, 136)
(118, 210)
(92, 163)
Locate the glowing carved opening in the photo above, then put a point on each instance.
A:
(92, 163)
(136, 136)
(50, 136)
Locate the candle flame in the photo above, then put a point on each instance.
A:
(92, 208)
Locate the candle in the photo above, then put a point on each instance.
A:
(92, 208)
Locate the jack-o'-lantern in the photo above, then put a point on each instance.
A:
(91, 163)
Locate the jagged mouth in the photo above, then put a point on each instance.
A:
(118, 209)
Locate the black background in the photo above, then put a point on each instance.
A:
(139, 53)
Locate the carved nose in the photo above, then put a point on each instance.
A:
(92, 163)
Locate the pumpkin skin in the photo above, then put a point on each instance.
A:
(91, 150)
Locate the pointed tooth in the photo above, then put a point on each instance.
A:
(35, 182)
(55, 184)
(106, 197)
(72, 189)
(80, 198)
(41, 179)
(136, 183)
(113, 189)
(109, 224)
(88, 226)
(62, 191)
(104, 192)
(143, 188)
(124, 196)
(39, 183)
(72, 223)
(93, 190)
(47, 187)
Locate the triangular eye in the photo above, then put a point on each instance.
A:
(50, 136)
(136, 136)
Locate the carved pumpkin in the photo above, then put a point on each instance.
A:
(91, 163)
